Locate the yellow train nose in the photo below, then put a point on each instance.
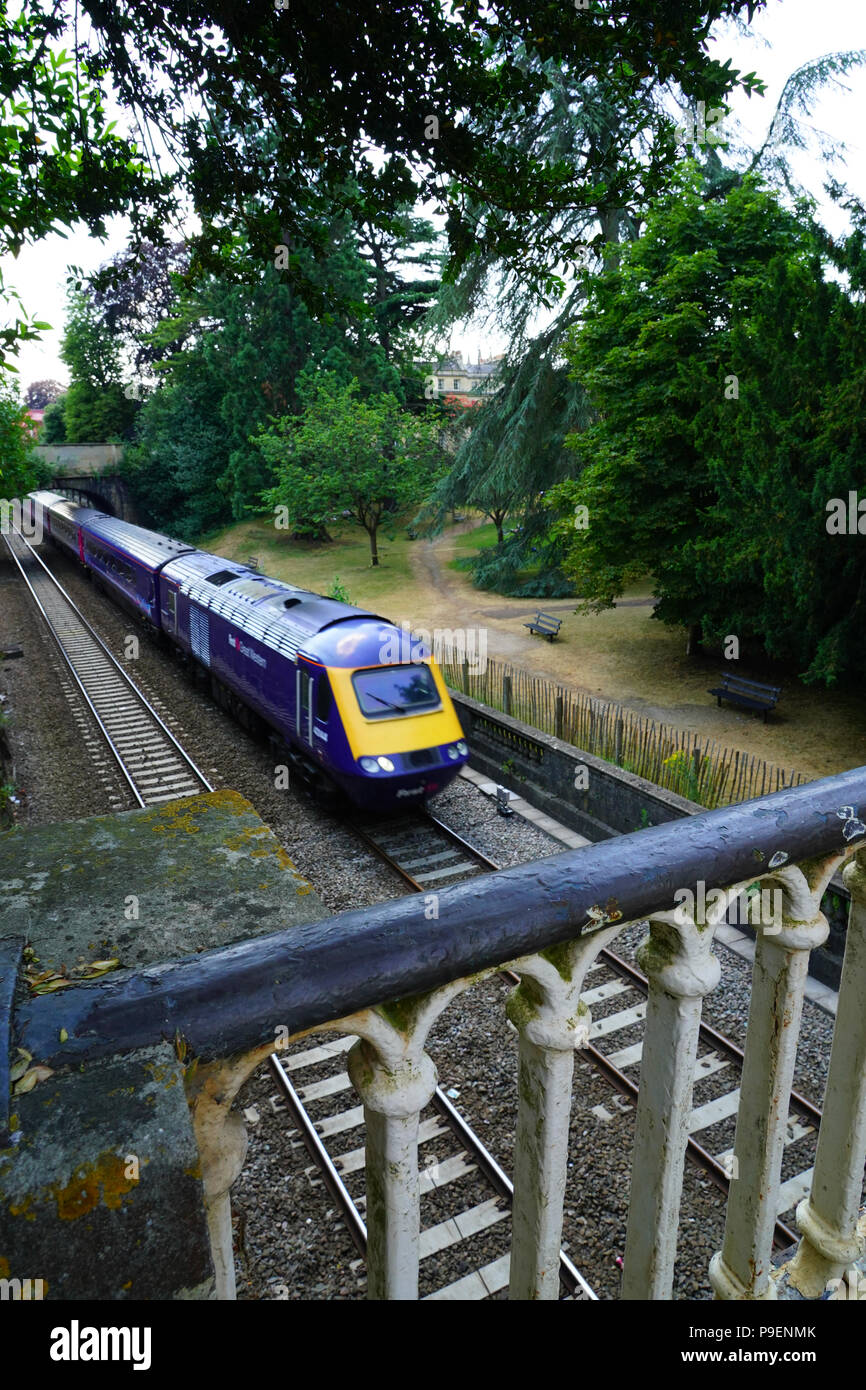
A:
(380, 735)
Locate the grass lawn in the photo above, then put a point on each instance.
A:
(466, 543)
(315, 565)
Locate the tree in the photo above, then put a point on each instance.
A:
(202, 82)
(54, 423)
(516, 447)
(370, 458)
(496, 505)
(227, 356)
(725, 370)
(586, 121)
(181, 452)
(97, 406)
(135, 294)
(399, 304)
(466, 486)
(207, 79)
(19, 471)
(40, 394)
(60, 160)
(244, 351)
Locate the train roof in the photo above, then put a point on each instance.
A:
(73, 511)
(278, 614)
(149, 548)
(56, 504)
(46, 497)
(365, 640)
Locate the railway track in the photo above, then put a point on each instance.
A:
(428, 855)
(424, 851)
(617, 997)
(152, 764)
(466, 1197)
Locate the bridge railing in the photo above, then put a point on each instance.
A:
(386, 973)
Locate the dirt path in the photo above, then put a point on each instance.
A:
(624, 655)
(457, 604)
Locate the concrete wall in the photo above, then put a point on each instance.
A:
(80, 460)
(545, 770)
(88, 472)
(607, 801)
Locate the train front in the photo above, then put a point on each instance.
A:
(403, 740)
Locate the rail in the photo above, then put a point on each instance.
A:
(150, 759)
(385, 974)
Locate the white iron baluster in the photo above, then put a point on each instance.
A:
(828, 1216)
(395, 1079)
(678, 961)
(393, 1100)
(548, 1037)
(742, 1269)
(221, 1137)
(551, 1021)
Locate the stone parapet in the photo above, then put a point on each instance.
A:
(101, 1185)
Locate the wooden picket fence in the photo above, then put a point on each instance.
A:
(697, 768)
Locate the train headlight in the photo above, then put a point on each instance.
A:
(463, 748)
(369, 764)
(385, 764)
(452, 752)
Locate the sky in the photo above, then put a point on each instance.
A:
(783, 37)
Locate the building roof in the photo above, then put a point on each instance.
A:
(468, 368)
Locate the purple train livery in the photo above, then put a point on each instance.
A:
(318, 673)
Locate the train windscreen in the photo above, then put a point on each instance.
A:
(389, 690)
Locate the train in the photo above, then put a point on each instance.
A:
(319, 674)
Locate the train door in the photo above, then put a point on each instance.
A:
(321, 712)
(169, 608)
(81, 545)
(304, 706)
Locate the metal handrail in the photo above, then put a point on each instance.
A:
(232, 999)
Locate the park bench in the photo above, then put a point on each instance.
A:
(253, 562)
(749, 694)
(546, 625)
